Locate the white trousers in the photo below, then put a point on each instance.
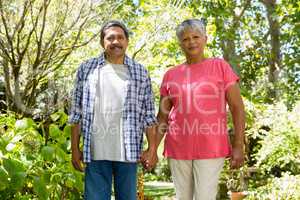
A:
(196, 179)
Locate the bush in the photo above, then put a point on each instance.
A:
(30, 169)
(280, 143)
(285, 188)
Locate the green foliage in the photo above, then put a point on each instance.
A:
(274, 151)
(30, 169)
(32, 162)
(280, 143)
(287, 187)
(162, 172)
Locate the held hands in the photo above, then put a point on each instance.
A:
(77, 160)
(149, 159)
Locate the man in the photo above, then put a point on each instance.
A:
(112, 105)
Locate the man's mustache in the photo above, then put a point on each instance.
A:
(118, 46)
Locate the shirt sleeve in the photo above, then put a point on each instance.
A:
(76, 102)
(149, 105)
(230, 77)
(164, 86)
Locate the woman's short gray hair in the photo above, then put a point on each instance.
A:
(194, 24)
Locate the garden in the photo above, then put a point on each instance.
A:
(42, 43)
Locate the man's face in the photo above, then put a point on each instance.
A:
(192, 42)
(115, 42)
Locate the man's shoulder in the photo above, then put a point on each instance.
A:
(90, 62)
(137, 67)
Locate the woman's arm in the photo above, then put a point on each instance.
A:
(165, 106)
(236, 107)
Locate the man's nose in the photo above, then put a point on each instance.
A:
(116, 41)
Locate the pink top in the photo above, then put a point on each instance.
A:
(197, 120)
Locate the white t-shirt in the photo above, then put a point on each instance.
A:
(107, 134)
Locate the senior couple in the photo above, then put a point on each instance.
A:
(113, 105)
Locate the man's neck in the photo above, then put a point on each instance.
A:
(115, 60)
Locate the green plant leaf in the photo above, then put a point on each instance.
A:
(24, 124)
(54, 131)
(63, 118)
(39, 187)
(4, 178)
(60, 155)
(48, 153)
(17, 180)
(67, 130)
(13, 166)
(55, 116)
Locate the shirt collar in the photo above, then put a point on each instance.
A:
(127, 61)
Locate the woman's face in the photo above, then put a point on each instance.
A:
(192, 42)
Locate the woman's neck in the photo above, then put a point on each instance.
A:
(194, 59)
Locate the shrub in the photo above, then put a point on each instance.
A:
(29, 169)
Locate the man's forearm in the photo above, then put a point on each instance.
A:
(151, 137)
(75, 137)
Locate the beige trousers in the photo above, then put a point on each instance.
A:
(196, 179)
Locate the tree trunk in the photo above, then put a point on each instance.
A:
(275, 55)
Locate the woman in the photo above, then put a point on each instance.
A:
(193, 114)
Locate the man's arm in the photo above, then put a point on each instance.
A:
(149, 157)
(76, 152)
(74, 119)
(236, 107)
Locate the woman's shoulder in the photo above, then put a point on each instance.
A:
(175, 69)
(217, 60)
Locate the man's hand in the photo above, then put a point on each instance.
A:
(77, 160)
(237, 157)
(149, 159)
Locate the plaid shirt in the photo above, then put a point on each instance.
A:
(138, 111)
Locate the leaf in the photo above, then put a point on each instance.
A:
(48, 153)
(24, 124)
(55, 116)
(46, 177)
(63, 118)
(54, 131)
(71, 180)
(16, 172)
(4, 178)
(17, 180)
(67, 130)
(13, 166)
(60, 155)
(39, 187)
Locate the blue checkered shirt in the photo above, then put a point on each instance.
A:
(138, 111)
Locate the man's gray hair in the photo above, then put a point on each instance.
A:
(194, 24)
